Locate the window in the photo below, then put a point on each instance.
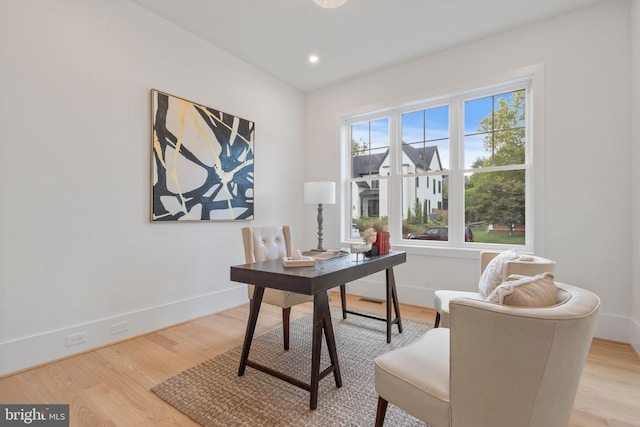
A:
(370, 167)
(458, 163)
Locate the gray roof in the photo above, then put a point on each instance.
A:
(370, 164)
(423, 157)
(361, 166)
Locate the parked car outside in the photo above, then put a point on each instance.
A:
(355, 231)
(440, 232)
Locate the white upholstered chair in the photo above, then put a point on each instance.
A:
(496, 365)
(532, 266)
(272, 242)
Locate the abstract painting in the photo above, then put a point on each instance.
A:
(202, 162)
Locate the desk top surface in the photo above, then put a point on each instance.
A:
(325, 275)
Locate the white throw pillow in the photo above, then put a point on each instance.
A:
(492, 274)
(535, 291)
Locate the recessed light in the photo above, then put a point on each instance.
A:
(313, 58)
(330, 4)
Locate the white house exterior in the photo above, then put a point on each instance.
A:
(369, 192)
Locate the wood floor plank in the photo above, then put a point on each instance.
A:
(610, 381)
(111, 386)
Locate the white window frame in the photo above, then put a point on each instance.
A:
(529, 79)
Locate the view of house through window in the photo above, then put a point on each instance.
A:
(424, 170)
(370, 166)
(459, 169)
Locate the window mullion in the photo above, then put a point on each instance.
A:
(395, 184)
(456, 179)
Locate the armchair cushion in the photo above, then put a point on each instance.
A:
(525, 291)
(416, 377)
(492, 274)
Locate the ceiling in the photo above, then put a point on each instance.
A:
(277, 36)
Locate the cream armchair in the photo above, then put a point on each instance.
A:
(273, 242)
(496, 365)
(530, 266)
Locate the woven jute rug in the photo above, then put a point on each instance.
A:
(212, 394)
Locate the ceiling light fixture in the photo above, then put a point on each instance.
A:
(313, 59)
(330, 4)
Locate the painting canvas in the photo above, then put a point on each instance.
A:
(202, 162)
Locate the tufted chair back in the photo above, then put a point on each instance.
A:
(263, 244)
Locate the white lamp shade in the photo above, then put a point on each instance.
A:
(323, 192)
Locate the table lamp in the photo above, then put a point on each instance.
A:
(320, 193)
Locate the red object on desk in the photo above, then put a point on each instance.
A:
(382, 242)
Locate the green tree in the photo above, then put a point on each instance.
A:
(425, 212)
(358, 147)
(410, 217)
(499, 196)
(418, 210)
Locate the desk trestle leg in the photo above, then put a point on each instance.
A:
(322, 321)
(254, 309)
(321, 324)
(392, 302)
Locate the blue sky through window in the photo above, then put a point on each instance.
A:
(374, 135)
(431, 127)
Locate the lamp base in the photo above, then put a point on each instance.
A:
(318, 250)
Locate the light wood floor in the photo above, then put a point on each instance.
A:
(110, 386)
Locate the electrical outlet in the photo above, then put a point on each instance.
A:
(118, 328)
(75, 339)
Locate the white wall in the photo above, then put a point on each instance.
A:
(583, 58)
(635, 168)
(77, 249)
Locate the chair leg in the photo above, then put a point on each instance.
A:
(286, 315)
(437, 322)
(381, 411)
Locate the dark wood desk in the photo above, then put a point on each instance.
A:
(314, 281)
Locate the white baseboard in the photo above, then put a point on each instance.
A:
(635, 336)
(35, 350)
(613, 327)
(26, 352)
(610, 326)
(406, 294)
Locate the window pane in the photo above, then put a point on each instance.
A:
(380, 133)
(413, 127)
(427, 133)
(494, 130)
(369, 148)
(475, 111)
(437, 123)
(359, 137)
(495, 206)
(513, 102)
(475, 155)
(509, 147)
(424, 204)
(369, 207)
(420, 158)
